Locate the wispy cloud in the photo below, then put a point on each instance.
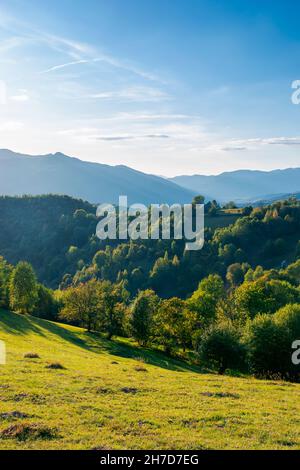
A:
(80, 53)
(114, 62)
(240, 145)
(283, 141)
(63, 66)
(132, 137)
(148, 117)
(234, 149)
(140, 94)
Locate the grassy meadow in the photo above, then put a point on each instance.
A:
(84, 392)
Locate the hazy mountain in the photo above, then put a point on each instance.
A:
(268, 199)
(242, 184)
(60, 174)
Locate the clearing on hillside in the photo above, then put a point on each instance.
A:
(113, 395)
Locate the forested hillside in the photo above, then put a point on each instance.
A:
(56, 235)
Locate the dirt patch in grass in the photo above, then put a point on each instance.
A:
(140, 369)
(13, 415)
(34, 398)
(287, 443)
(24, 432)
(31, 356)
(55, 366)
(190, 423)
(221, 395)
(131, 390)
(104, 391)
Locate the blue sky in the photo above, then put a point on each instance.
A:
(167, 86)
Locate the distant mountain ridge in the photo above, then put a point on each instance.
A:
(269, 199)
(59, 174)
(242, 184)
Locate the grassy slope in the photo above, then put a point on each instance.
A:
(174, 406)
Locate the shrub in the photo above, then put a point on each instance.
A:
(269, 339)
(288, 319)
(265, 345)
(221, 349)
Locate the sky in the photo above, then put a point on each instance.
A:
(167, 87)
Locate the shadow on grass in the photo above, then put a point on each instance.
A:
(153, 357)
(16, 324)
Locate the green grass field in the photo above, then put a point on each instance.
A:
(113, 395)
(223, 219)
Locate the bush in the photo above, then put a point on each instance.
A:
(269, 339)
(288, 318)
(221, 349)
(264, 341)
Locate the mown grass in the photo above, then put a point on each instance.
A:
(113, 395)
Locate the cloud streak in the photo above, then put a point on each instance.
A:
(132, 137)
(242, 145)
(138, 94)
(80, 53)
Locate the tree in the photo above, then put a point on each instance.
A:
(265, 342)
(205, 299)
(143, 309)
(288, 318)
(46, 306)
(230, 205)
(221, 348)
(100, 259)
(235, 274)
(254, 275)
(23, 288)
(198, 200)
(171, 324)
(80, 305)
(112, 299)
(5, 273)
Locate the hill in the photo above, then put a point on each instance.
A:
(42, 229)
(113, 395)
(242, 184)
(97, 183)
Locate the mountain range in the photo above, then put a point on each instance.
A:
(242, 185)
(60, 174)
(94, 182)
